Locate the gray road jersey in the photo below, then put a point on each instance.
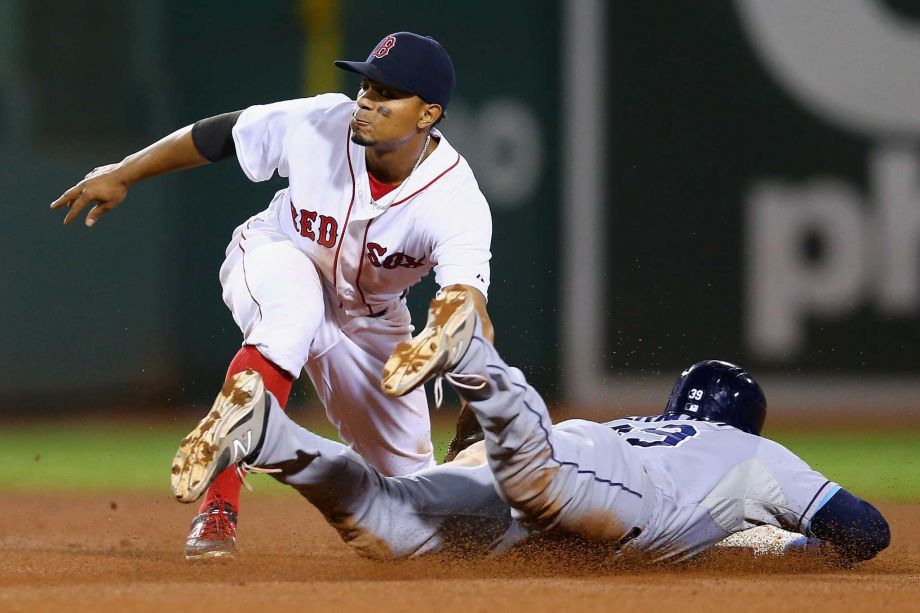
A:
(714, 480)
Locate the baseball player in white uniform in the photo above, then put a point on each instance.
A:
(661, 488)
(376, 198)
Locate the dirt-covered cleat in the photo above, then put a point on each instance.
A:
(213, 533)
(230, 433)
(437, 348)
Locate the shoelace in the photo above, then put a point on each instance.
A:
(217, 522)
(457, 380)
(242, 468)
(216, 525)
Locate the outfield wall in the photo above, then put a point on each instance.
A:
(761, 200)
(668, 183)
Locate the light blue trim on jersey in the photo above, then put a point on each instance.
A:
(807, 523)
(826, 498)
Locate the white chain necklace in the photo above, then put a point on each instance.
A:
(418, 162)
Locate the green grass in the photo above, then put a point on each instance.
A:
(877, 465)
(93, 457)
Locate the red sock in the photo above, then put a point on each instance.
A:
(277, 381)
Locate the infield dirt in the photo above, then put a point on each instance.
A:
(101, 553)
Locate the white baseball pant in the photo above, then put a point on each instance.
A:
(290, 314)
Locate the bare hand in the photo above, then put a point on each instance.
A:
(104, 185)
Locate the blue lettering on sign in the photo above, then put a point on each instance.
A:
(666, 435)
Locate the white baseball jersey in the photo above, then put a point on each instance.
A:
(303, 277)
(439, 218)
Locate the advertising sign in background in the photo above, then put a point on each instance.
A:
(762, 200)
(669, 182)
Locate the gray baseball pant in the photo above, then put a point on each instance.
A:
(574, 478)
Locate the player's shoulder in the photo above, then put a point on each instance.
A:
(332, 104)
(769, 447)
(453, 179)
(464, 178)
(333, 107)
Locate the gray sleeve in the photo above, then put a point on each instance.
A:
(797, 491)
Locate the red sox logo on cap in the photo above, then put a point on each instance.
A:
(388, 43)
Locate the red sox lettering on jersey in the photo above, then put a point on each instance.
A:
(375, 252)
(325, 235)
(368, 254)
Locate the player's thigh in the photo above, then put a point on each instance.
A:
(392, 434)
(600, 486)
(275, 295)
(378, 336)
(460, 503)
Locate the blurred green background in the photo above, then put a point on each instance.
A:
(663, 190)
(880, 464)
(733, 212)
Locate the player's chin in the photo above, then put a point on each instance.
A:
(362, 139)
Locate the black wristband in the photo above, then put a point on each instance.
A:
(213, 137)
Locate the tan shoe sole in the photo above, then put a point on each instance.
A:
(436, 348)
(206, 450)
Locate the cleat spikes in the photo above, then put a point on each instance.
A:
(436, 349)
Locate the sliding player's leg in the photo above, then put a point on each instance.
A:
(577, 476)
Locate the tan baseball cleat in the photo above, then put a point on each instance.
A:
(230, 433)
(437, 348)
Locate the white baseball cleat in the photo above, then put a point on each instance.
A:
(229, 434)
(437, 348)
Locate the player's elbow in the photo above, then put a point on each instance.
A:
(855, 528)
(877, 535)
(866, 541)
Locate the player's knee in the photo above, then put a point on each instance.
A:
(369, 545)
(531, 492)
(286, 344)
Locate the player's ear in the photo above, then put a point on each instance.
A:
(430, 116)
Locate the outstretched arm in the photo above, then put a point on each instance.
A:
(207, 141)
